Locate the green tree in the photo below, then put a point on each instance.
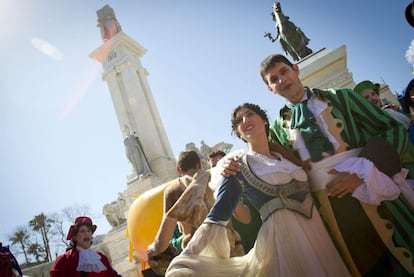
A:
(40, 223)
(52, 229)
(63, 220)
(37, 251)
(21, 238)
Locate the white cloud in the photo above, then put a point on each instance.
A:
(409, 55)
(47, 48)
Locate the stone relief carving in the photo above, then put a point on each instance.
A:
(115, 211)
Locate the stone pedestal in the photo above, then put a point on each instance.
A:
(116, 247)
(116, 243)
(326, 69)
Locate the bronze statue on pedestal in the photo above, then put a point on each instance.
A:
(293, 40)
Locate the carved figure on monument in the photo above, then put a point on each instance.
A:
(222, 146)
(205, 150)
(192, 146)
(135, 154)
(108, 23)
(114, 213)
(292, 39)
(111, 216)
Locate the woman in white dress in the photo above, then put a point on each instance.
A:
(292, 240)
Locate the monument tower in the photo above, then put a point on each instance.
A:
(145, 140)
(134, 105)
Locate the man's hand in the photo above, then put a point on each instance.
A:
(392, 106)
(343, 184)
(230, 166)
(151, 251)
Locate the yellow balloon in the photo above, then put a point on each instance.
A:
(144, 218)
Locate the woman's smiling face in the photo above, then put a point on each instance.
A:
(249, 124)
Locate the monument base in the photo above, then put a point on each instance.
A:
(326, 69)
(116, 247)
(116, 244)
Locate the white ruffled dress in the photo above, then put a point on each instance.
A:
(288, 244)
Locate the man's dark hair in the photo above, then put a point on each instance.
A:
(216, 153)
(187, 160)
(270, 61)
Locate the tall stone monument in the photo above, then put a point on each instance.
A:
(131, 95)
(146, 144)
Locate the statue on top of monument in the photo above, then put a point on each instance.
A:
(135, 154)
(108, 23)
(292, 39)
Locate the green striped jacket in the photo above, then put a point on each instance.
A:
(361, 120)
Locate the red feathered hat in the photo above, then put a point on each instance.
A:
(80, 220)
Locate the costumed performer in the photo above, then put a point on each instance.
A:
(292, 240)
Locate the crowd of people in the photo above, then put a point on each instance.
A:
(327, 180)
(322, 191)
(325, 190)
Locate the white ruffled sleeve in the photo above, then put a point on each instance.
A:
(376, 187)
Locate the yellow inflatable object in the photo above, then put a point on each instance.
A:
(144, 218)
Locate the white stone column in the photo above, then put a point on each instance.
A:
(133, 101)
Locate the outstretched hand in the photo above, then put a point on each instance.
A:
(151, 252)
(230, 166)
(343, 184)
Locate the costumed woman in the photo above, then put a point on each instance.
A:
(371, 92)
(80, 259)
(292, 240)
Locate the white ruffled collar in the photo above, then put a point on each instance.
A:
(274, 171)
(89, 261)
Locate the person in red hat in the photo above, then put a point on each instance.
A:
(80, 259)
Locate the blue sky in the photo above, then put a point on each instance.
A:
(61, 143)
